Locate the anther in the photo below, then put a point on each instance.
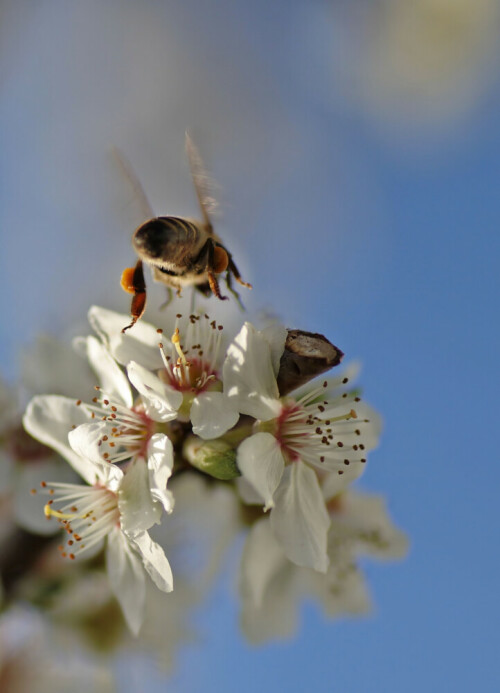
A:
(176, 341)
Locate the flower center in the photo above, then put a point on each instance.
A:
(305, 429)
(129, 429)
(193, 367)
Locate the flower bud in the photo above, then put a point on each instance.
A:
(214, 457)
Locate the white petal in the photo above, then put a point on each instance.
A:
(249, 377)
(51, 365)
(140, 343)
(247, 492)
(342, 591)
(212, 414)
(84, 440)
(49, 419)
(111, 377)
(126, 579)
(138, 510)
(155, 562)
(372, 530)
(262, 559)
(160, 465)
(277, 617)
(261, 463)
(299, 519)
(161, 401)
(334, 483)
(275, 335)
(205, 523)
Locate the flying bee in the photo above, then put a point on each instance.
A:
(181, 252)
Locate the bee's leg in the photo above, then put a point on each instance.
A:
(169, 299)
(133, 282)
(229, 284)
(212, 279)
(232, 268)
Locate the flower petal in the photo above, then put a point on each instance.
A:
(155, 562)
(139, 344)
(249, 377)
(247, 493)
(262, 559)
(138, 511)
(84, 440)
(275, 335)
(126, 579)
(161, 401)
(299, 519)
(212, 414)
(160, 465)
(111, 377)
(51, 365)
(342, 591)
(49, 419)
(334, 483)
(261, 463)
(366, 519)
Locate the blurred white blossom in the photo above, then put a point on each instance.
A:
(272, 587)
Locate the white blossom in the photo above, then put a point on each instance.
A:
(272, 587)
(116, 508)
(113, 428)
(177, 376)
(323, 430)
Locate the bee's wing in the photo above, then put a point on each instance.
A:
(203, 184)
(128, 172)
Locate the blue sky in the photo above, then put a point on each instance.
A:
(377, 229)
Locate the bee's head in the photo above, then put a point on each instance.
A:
(155, 239)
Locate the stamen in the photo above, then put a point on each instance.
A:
(48, 511)
(176, 341)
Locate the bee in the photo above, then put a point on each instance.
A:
(181, 252)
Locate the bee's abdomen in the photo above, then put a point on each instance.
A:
(167, 240)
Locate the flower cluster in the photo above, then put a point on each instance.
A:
(187, 400)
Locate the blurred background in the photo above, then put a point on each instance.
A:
(357, 149)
